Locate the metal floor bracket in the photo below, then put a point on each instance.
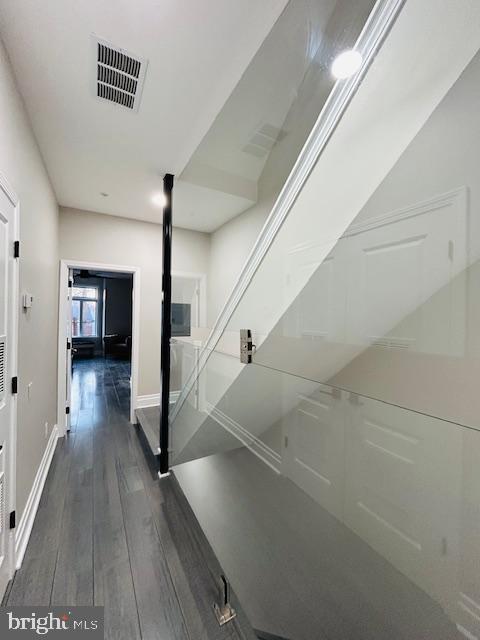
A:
(224, 612)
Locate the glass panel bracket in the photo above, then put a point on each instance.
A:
(247, 348)
(224, 612)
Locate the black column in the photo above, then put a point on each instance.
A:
(166, 323)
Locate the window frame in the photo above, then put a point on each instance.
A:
(81, 300)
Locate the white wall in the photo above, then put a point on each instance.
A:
(229, 249)
(22, 165)
(93, 237)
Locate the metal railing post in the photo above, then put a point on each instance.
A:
(166, 324)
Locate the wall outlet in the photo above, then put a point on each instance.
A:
(46, 429)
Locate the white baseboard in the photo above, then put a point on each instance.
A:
(256, 446)
(24, 529)
(174, 395)
(147, 401)
(153, 400)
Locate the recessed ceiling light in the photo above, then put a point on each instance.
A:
(159, 200)
(346, 64)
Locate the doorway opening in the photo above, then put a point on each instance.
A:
(188, 326)
(98, 341)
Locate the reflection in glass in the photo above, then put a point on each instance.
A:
(389, 310)
(337, 476)
(188, 328)
(364, 511)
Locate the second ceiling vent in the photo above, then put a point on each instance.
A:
(263, 140)
(119, 75)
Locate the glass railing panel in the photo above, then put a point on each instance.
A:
(183, 355)
(382, 299)
(334, 514)
(196, 433)
(335, 475)
(188, 328)
(307, 37)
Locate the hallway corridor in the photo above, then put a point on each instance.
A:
(108, 532)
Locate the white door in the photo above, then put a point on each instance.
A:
(403, 490)
(314, 456)
(401, 274)
(69, 347)
(8, 336)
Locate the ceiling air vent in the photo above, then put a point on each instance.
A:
(263, 140)
(119, 75)
(391, 342)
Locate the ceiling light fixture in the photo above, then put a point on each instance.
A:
(346, 64)
(159, 200)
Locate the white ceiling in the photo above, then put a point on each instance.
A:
(197, 53)
(282, 90)
(265, 93)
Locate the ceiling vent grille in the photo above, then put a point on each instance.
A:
(263, 140)
(391, 342)
(120, 75)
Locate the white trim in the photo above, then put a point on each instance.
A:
(7, 189)
(376, 28)
(174, 395)
(153, 400)
(435, 203)
(425, 206)
(254, 444)
(12, 363)
(465, 632)
(24, 529)
(65, 265)
(148, 401)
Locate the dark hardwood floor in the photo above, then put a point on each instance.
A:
(109, 532)
(148, 419)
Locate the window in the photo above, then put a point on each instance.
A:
(84, 312)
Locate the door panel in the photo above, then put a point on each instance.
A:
(403, 478)
(314, 457)
(397, 271)
(7, 404)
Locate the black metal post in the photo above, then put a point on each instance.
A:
(166, 323)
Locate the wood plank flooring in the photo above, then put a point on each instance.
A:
(109, 532)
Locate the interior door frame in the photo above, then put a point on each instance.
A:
(65, 265)
(12, 364)
(201, 278)
(68, 391)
